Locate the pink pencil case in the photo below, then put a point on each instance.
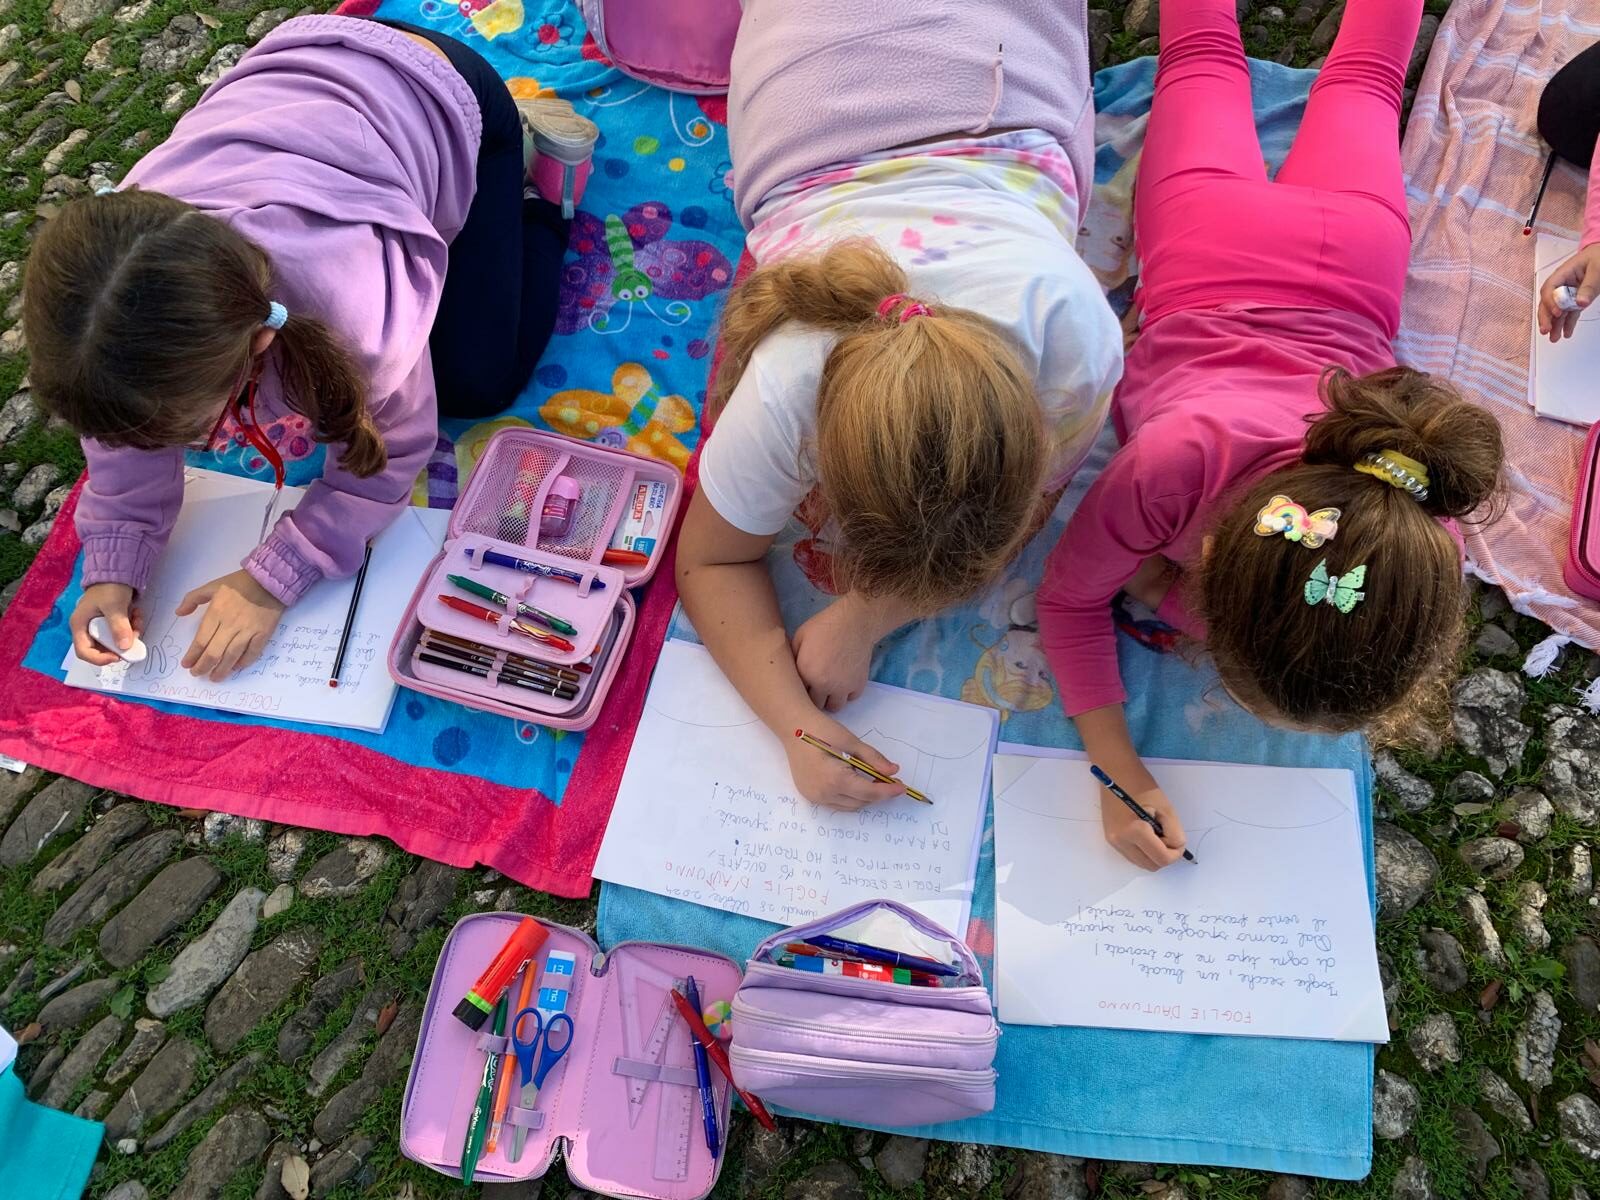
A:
(1582, 568)
(623, 1104)
(527, 485)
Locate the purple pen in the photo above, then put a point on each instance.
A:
(496, 559)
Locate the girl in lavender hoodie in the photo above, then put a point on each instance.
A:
(338, 231)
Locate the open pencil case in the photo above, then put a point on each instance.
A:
(622, 1106)
(879, 1053)
(605, 498)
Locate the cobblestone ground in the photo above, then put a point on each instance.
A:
(238, 1002)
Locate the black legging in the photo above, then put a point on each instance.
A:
(503, 277)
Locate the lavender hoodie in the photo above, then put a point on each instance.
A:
(347, 152)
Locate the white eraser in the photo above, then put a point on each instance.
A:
(1567, 299)
(100, 631)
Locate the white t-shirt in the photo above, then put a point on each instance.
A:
(985, 224)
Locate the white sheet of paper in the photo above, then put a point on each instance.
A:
(8, 1049)
(216, 529)
(1270, 933)
(707, 811)
(1561, 377)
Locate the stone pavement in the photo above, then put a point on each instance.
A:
(238, 1002)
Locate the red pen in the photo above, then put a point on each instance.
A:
(719, 1056)
(468, 608)
(807, 950)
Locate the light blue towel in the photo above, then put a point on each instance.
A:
(1116, 1094)
(44, 1154)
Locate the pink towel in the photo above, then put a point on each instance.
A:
(307, 778)
(1473, 158)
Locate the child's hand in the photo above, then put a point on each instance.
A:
(1581, 271)
(1134, 839)
(823, 779)
(114, 602)
(833, 653)
(240, 617)
(1152, 581)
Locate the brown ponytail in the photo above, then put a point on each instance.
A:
(930, 448)
(322, 383)
(140, 311)
(1384, 664)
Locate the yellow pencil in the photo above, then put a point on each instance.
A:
(855, 762)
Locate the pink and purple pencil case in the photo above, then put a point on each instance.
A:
(503, 509)
(623, 1105)
(881, 1054)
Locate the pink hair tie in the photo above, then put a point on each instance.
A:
(915, 308)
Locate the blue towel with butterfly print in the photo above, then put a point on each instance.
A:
(651, 257)
(1102, 1093)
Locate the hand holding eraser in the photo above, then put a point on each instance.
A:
(100, 631)
(1567, 299)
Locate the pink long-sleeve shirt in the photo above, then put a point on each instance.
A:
(1211, 400)
(347, 152)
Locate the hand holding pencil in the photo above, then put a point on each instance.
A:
(834, 768)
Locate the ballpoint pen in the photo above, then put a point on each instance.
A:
(702, 1070)
(485, 592)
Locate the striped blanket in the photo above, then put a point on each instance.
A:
(1473, 158)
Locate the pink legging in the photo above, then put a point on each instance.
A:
(1331, 231)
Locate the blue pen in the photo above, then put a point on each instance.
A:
(702, 1070)
(496, 559)
(891, 958)
(1134, 806)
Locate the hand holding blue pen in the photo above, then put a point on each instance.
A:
(1135, 808)
(702, 1070)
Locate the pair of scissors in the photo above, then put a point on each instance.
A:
(536, 1057)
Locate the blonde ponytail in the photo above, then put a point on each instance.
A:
(838, 291)
(930, 447)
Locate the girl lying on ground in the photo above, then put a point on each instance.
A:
(338, 230)
(920, 361)
(1283, 490)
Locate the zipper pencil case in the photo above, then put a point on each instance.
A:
(1582, 568)
(521, 575)
(622, 1106)
(857, 1049)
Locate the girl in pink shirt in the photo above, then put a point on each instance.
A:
(1282, 486)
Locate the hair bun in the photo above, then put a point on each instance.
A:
(1419, 416)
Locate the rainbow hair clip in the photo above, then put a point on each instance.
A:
(1282, 517)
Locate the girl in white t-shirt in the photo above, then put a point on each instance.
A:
(916, 367)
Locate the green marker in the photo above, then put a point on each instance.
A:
(478, 1127)
(486, 592)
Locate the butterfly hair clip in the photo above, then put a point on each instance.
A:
(1282, 517)
(1341, 591)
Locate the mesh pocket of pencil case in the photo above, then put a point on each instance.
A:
(857, 1049)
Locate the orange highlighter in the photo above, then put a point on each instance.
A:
(508, 1070)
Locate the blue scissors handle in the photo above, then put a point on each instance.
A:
(538, 1054)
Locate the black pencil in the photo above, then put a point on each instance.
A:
(1549, 166)
(350, 618)
(559, 691)
(520, 660)
(507, 670)
(487, 659)
(1134, 806)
